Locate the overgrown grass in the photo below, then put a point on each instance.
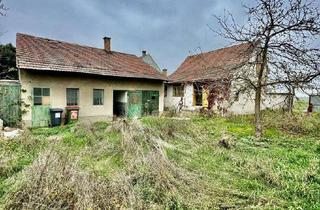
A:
(164, 163)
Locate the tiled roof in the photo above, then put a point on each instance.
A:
(50, 55)
(212, 65)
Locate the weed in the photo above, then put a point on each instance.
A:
(165, 163)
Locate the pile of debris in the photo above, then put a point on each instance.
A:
(7, 132)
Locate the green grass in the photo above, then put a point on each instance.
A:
(279, 171)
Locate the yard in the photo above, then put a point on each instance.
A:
(165, 163)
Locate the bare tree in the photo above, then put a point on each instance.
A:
(287, 32)
(2, 8)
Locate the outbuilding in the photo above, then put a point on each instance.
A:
(86, 82)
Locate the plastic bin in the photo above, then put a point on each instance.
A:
(55, 116)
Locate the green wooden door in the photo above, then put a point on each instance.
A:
(135, 104)
(10, 103)
(40, 116)
(150, 101)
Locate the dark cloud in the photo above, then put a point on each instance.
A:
(169, 30)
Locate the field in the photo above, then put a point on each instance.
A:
(165, 163)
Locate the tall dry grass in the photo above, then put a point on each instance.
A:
(149, 179)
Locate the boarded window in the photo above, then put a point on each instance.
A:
(72, 96)
(98, 96)
(41, 96)
(178, 90)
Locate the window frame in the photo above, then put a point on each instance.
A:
(101, 99)
(76, 98)
(178, 90)
(40, 95)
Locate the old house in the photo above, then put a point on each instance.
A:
(90, 83)
(207, 80)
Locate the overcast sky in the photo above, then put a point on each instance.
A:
(169, 30)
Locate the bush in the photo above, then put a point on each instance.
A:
(295, 124)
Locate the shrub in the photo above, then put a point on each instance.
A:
(295, 124)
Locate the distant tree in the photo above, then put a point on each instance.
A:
(287, 54)
(7, 55)
(8, 68)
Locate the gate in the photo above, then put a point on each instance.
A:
(142, 103)
(10, 102)
(40, 116)
(150, 101)
(135, 104)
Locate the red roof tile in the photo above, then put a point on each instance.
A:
(50, 55)
(212, 65)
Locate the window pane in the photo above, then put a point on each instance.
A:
(45, 91)
(178, 91)
(98, 96)
(72, 96)
(37, 92)
(37, 100)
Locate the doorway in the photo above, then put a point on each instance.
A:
(120, 100)
(198, 94)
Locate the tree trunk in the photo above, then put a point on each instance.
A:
(257, 111)
(291, 100)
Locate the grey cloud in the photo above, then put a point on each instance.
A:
(169, 30)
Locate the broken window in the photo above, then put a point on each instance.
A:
(178, 90)
(41, 96)
(98, 96)
(72, 96)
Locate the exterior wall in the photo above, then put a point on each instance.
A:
(188, 97)
(244, 105)
(58, 82)
(275, 101)
(170, 101)
(149, 60)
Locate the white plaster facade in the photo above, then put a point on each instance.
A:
(244, 105)
(58, 82)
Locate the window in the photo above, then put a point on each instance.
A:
(72, 96)
(165, 90)
(98, 95)
(41, 96)
(178, 90)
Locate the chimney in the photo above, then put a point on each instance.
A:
(144, 53)
(107, 43)
(165, 72)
